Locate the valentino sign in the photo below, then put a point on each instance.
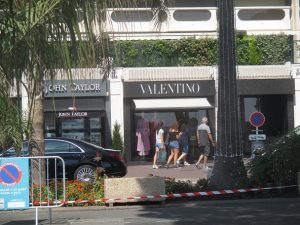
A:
(65, 88)
(170, 88)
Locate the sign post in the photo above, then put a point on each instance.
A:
(257, 119)
(14, 183)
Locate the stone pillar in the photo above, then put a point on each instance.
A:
(116, 101)
(296, 76)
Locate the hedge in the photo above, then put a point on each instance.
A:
(251, 50)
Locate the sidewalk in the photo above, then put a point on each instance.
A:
(144, 169)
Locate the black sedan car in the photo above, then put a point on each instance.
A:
(81, 158)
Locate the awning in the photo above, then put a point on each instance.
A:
(172, 103)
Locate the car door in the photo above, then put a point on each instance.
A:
(71, 154)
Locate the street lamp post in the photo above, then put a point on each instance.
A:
(228, 170)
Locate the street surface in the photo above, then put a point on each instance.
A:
(234, 212)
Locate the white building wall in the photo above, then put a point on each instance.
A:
(245, 3)
(296, 75)
(297, 102)
(116, 100)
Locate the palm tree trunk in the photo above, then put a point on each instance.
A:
(228, 170)
(36, 147)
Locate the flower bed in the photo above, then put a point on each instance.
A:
(77, 192)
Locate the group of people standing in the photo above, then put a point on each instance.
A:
(177, 138)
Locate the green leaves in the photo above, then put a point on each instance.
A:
(117, 142)
(251, 50)
(12, 125)
(279, 164)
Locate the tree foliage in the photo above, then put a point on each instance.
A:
(12, 125)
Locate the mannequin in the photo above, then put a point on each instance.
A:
(142, 133)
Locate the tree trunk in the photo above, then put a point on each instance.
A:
(36, 142)
(229, 170)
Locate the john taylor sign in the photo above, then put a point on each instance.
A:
(72, 114)
(66, 88)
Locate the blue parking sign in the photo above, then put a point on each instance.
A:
(14, 183)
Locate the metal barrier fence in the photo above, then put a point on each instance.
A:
(46, 192)
(46, 181)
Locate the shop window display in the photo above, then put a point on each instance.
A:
(145, 124)
(84, 128)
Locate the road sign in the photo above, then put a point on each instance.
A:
(257, 137)
(14, 183)
(257, 119)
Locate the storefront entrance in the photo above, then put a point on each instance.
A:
(77, 109)
(88, 126)
(145, 125)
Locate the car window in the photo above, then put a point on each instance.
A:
(74, 148)
(57, 146)
(11, 151)
(25, 148)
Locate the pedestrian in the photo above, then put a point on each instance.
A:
(159, 144)
(184, 143)
(203, 138)
(173, 144)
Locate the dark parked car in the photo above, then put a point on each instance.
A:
(81, 158)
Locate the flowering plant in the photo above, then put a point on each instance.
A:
(76, 192)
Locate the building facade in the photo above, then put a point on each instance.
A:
(138, 97)
(186, 94)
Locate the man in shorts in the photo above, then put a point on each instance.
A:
(203, 138)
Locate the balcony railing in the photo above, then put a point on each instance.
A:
(178, 20)
(263, 18)
(197, 20)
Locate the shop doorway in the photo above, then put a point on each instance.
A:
(145, 125)
(88, 128)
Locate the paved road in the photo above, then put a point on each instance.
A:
(233, 212)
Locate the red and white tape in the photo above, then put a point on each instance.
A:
(165, 196)
(192, 194)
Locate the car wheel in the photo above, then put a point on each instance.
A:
(85, 173)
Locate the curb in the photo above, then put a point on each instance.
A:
(193, 194)
(170, 196)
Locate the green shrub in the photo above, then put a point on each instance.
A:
(279, 163)
(117, 142)
(173, 186)
(251, 50)
(273, 49)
